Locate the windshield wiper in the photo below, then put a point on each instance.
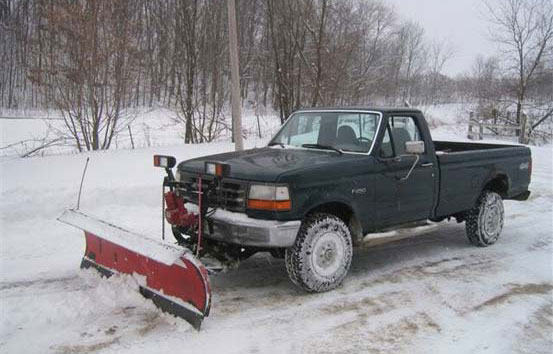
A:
(324, 147)
(276, 143)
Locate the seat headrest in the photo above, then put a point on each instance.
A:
(346, 135)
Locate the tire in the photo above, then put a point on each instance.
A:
(278, 253)
(484, 222)
(321, 256)
(177, 234)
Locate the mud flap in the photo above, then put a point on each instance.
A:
(170, 276)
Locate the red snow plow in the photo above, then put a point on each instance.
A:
(171, 276)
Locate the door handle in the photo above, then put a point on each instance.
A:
(428, 164)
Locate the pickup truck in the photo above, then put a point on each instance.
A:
(335, 178)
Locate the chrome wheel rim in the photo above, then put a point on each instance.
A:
(493, 218)
(328, 253)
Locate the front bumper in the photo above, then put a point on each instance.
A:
(240, 229)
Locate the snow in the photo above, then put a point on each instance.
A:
(243, 219)
(153, 127)
(143, 245)
(432, 293)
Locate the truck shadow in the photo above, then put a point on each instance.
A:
(262, 271)
(448, 237)
(262, 281)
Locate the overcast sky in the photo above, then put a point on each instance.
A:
(462, 22)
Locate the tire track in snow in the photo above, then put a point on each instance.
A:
(516, 290)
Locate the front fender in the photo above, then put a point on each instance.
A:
(314, 202)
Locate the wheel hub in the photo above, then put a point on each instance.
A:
(328, 254)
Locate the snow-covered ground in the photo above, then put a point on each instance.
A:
(433, 293)
(22, 131)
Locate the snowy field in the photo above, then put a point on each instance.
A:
(149, 127)
(432, 294)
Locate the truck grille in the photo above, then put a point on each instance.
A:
(229, 195)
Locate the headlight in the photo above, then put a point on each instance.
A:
(269, 197)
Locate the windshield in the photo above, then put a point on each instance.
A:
(346, 131)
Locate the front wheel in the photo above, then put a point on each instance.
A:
(321, 256)
(484, 222)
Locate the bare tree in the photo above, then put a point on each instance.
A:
(524, 31)
(187, 16)
(439, 53)
(87, 66)
(287, 35)
(486, 74)
(96, 59)
(317, 37)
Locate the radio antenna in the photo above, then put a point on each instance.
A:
(82, 180)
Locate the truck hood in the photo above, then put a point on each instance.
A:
(265, 164)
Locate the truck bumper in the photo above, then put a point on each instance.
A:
(522, 196)
(240, 229)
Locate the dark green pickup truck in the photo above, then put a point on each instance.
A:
(335, 178)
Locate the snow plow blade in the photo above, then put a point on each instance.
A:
(170, 276)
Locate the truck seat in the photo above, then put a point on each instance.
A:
(400, 136)
(346, 136)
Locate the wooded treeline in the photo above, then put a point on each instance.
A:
(93, 59)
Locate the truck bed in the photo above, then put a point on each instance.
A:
(466, 168)
(451, 146)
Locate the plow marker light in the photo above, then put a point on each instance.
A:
(172, 277)
(164, 161)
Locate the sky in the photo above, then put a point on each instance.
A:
(462, 22)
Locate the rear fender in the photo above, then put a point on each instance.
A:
(498, 182)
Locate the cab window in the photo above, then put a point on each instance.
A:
(398, 131)
(303, 130)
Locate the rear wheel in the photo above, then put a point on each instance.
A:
(484, 222)
(321, 256)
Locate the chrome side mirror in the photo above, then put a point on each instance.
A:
(414, 147)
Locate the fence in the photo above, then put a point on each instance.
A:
(478, 128)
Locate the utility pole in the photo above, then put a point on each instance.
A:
(234, 77)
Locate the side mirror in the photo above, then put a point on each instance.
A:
(414, 147)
